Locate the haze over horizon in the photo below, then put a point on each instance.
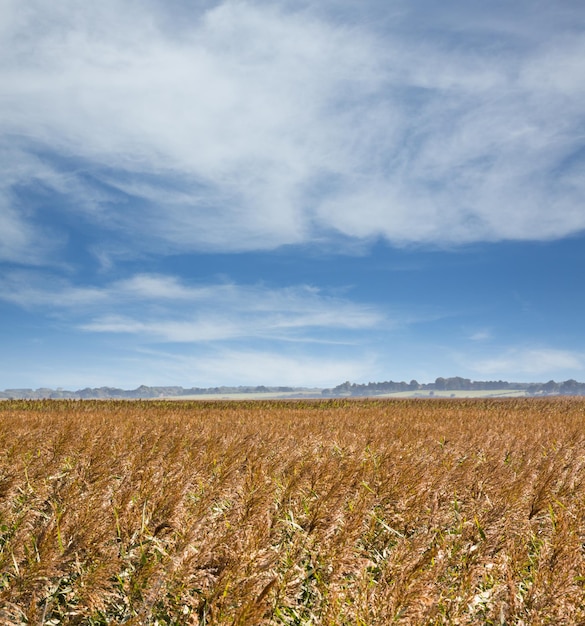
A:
(246, 192)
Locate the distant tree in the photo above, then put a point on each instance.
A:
(533, 389)
(457, 383)
(344, 388)
(550, 387)
(440, 384)
(570, 388)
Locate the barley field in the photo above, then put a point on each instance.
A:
(303, 512)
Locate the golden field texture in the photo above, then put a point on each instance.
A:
(301, 512)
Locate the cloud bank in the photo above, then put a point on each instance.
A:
(245, 125)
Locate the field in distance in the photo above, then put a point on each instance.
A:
(316, 393)
(266, 395)
(491, 393)
(372, 512)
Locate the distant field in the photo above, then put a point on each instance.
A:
(371, 512)
(492, 393)
(495, 393)
(317, 393)
(271, 395)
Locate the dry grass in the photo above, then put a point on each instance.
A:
(308, 512)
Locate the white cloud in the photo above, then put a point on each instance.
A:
(195, 330)
(159, 287)
(481, 335)
(162, 308)
(207, 369)
(248, 125)
(21, 239)
(530, 361)
(255, 367)
(32, 290)
(16, 236)
(234, 109)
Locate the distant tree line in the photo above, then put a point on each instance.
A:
(567, 388)
(456, 383)
(142, 392)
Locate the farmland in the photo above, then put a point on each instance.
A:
(445, 511)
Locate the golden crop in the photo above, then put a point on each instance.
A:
(301, 512)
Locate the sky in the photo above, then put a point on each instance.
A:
(275, 192)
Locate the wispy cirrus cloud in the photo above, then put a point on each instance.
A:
(249, 125)
(529, 361)
(481, 335)
(17, 238)
(253, 367)
(164, 309)
(207, 368)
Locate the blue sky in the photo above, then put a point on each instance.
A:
(292, 193)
